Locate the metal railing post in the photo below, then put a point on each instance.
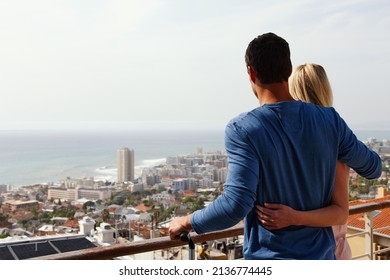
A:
(369, 230)
(185, 236)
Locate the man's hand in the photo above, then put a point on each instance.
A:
(178, 225)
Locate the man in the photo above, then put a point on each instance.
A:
(283, 151)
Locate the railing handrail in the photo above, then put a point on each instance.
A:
(148, 245)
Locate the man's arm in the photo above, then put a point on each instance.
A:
(240, 187)
(356, 154)
(239, 193)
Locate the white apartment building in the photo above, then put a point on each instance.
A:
(221, 174)
(136, 187)
(73, 183)
(184, 184)
(72, 194)
(173, 160)
(178, 185)
(125, 165)
(159, 197)
(62, 193)
(3, 188)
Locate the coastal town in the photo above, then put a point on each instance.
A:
(137, 206)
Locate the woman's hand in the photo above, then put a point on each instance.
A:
(276, 216)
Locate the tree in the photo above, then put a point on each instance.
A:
(45, 217)
(166, 214)
(88, 205)
(197, 204)
(5, 235)
(24, 223)
(187, 199)
(148, 202)
(105, 215)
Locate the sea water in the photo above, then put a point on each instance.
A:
(41, 156)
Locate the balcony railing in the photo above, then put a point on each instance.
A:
(370, 210)
(161, 243)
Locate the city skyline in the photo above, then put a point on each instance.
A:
(153, 64)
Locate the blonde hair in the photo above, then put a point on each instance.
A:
(310, 84)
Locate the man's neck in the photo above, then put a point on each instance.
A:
(272, 93)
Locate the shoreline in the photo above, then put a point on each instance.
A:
(102, 173)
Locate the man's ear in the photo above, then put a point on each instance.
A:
(252, 74)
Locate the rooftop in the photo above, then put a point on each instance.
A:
(379, 221)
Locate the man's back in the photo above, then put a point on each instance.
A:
(286, 153)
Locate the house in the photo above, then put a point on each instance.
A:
(19, 205)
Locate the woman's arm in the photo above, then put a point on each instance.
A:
(277, 216)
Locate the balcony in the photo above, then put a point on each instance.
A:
(376, 245)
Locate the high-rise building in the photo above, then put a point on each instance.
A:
(125, 165)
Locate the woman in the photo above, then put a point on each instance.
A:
(309, 83)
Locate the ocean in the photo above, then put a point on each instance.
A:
(40, 156)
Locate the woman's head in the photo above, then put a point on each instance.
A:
(310, 84)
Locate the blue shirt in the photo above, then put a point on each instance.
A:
(284, 152)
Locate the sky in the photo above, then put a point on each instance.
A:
(166, 63)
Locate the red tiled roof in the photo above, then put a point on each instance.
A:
(381, 220)
(142, 208)
(5, 224)
(72, 223)
(112, 209)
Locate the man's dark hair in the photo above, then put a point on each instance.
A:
(269, 56)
